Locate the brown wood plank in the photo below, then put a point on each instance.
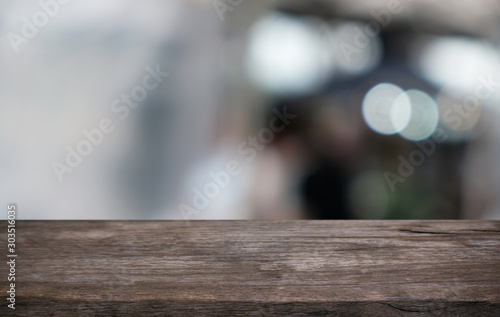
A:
(256, 268)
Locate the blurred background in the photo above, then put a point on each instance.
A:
(327, 109)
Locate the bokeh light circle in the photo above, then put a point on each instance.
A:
(386, 109)
(424, 116)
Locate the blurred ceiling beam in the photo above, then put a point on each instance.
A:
(480, 17)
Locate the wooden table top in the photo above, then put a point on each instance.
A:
(256, 268)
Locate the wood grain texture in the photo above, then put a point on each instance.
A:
(256, 268)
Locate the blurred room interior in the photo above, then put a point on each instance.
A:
(325, 109)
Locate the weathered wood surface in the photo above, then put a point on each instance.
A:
(256, 268)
